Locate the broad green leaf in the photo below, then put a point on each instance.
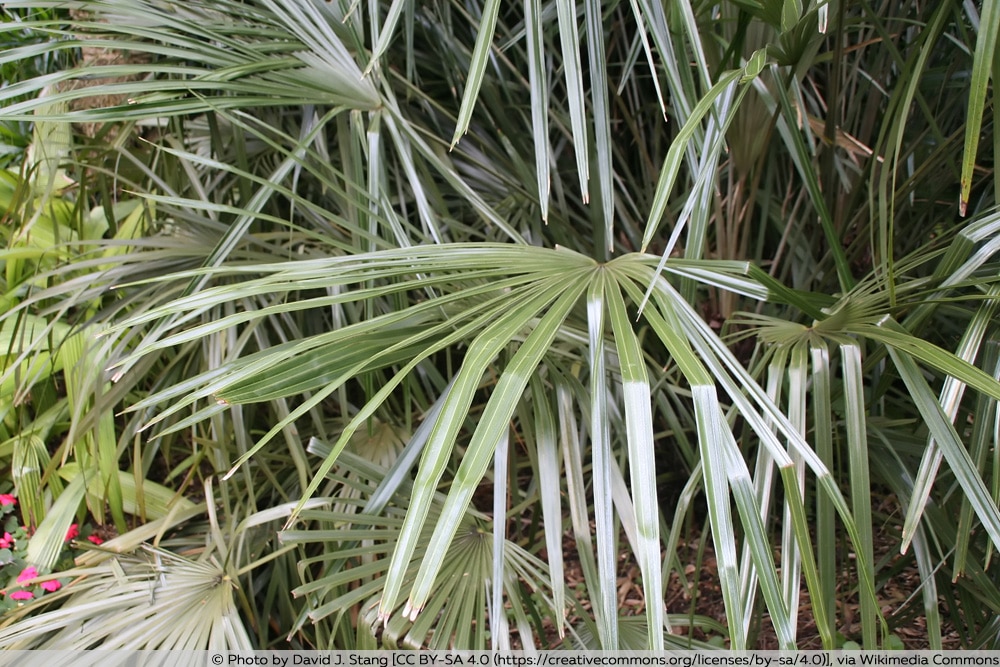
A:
(47, 542)
(791, 10)
(29, 460)
(755, 65)
(158, 501)
(95, 438)
(50, 148)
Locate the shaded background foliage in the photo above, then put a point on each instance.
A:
(302, 296)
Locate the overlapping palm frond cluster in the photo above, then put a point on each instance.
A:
(400, 324)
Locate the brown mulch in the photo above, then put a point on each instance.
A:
(701, 595)
(897, 597)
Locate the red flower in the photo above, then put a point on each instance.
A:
(73, 531)
(95, 539)
(22, 595)
(7, 541)
(26, 574)
(7, 499)
(51, 586)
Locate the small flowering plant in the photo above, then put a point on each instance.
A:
(16, 576)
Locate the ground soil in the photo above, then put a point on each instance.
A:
(700, 595)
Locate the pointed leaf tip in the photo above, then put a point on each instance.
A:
(410, 612)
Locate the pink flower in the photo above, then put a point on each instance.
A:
(73, 531)
(51, 586)
(7, 499)
(7, 541)
(26, 574)
(95, 539)
(22, 595)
